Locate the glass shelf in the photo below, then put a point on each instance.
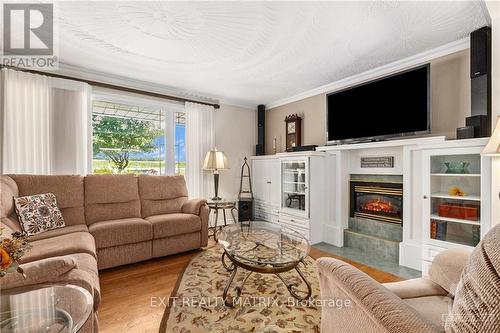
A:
(456, 174)
(293, 185)
(471, 197)
(449, 219)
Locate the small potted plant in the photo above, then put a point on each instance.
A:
(11, 251)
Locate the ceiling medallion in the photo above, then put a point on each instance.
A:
(164, 20)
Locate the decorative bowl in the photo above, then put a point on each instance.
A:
(457, 167)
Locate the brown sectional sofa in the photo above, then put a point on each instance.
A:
(111, 220)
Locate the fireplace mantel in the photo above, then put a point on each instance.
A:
(384, 144)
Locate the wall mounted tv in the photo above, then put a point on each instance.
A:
(392, 106)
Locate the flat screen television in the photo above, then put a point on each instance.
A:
(389, 107)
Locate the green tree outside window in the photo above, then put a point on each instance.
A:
(117, 137)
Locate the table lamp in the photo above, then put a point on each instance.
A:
(492, 148)
(216, 160)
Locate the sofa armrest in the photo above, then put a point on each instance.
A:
(193, 206)
(368, 306)
(38, 272)
(446, 268)
(415, 288)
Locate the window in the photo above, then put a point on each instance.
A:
(180, 143)
(131, 137)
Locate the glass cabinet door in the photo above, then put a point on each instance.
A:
(294, 185)
(455, 199)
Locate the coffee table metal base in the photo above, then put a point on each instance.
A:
(232, 267)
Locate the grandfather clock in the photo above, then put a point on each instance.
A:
(293, 131)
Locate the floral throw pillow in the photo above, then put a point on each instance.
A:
(38, 213)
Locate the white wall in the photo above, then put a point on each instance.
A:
(236, 135)
(494, 11)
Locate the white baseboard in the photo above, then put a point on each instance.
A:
(333, 235)
(410, 255)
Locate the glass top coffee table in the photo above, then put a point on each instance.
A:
(266, 248)
(58, 308)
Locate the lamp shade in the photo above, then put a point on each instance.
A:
(492, 148)
(215, 160)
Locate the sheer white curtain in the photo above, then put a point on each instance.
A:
(26, 124)
(72, 129)
(200, 138)
(45, 124)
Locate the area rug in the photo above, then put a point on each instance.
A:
(265, 305)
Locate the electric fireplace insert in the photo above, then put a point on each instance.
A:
(377, 201)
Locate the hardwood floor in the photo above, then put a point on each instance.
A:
(127, 291)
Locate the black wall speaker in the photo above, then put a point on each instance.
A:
(245, 210)
(480, 73)
(260, 150)
(481, 124)
(480, 52)
(261, 130)
(466, 132)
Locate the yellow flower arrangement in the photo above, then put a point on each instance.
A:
(456, 192)
(11, 252)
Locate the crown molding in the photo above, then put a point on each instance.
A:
(378, 72)
(238, 104)
(375, 73)
(491, 10)
(92, 75)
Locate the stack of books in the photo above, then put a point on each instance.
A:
(438, 230)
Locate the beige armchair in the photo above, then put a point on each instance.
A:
(417, 305)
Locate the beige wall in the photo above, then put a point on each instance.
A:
(236, 135)
(450, 105)
(450, 93)
(313, 113)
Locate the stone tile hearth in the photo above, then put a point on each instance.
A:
(369, 259)
(378, 238)
(370, 241)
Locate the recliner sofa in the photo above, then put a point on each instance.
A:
(461, 294)
(110, 220)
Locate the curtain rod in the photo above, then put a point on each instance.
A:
(112, 86)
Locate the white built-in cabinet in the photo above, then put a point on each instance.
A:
(266, 188)
(283, 186)
(309, 192)
(455, 201)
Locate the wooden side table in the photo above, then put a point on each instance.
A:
(223, 204)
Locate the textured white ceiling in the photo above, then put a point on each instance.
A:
(254, 52)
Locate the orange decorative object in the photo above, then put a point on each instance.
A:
(468, 212)
(11, 250)
(5, 259)
(456, 192)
